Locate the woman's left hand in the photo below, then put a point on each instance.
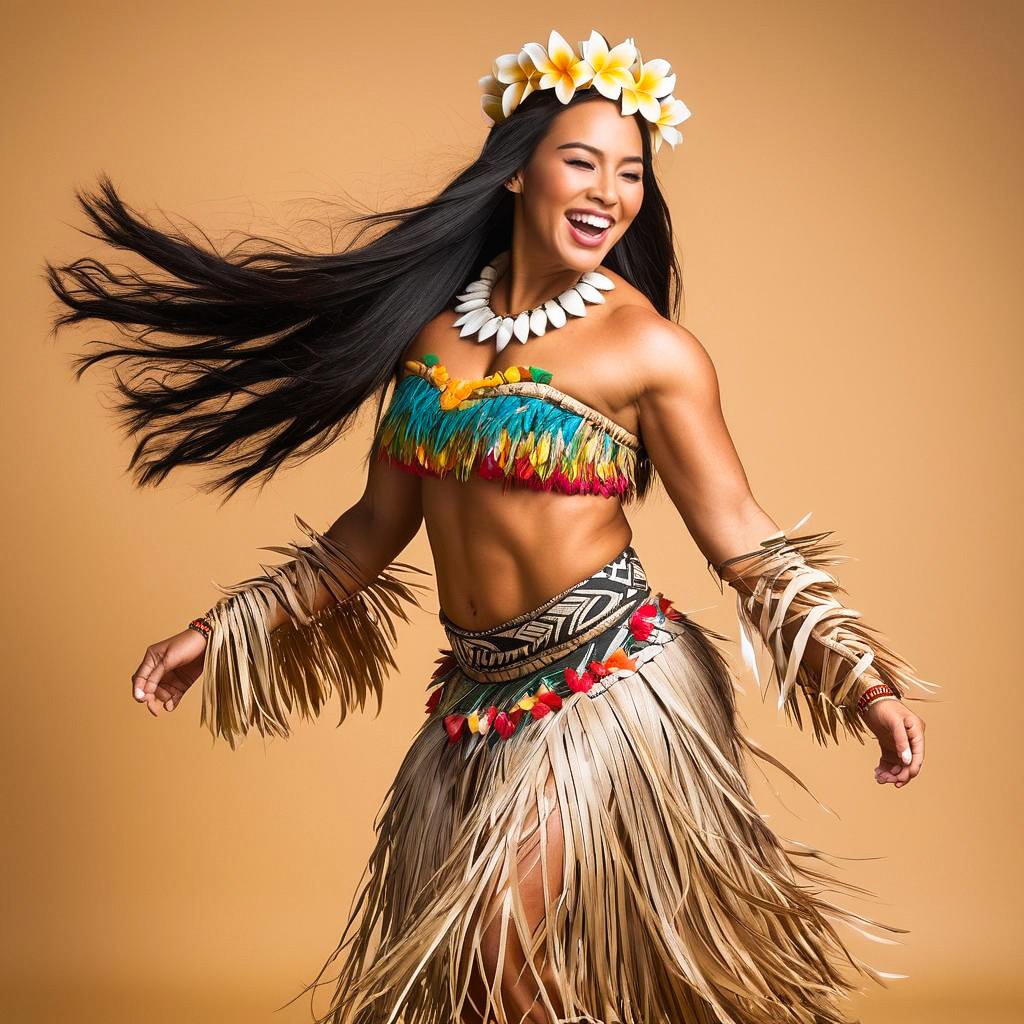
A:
(900, 735)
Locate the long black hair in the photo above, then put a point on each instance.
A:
(272, 350)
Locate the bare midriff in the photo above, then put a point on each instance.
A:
(499, 553)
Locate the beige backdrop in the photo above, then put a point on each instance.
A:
(847, 200)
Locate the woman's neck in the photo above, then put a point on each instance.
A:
(523, 286)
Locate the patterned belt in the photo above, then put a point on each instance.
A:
(539, 637)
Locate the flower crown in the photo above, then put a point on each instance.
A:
(616, 73)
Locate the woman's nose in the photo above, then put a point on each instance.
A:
(604, 191)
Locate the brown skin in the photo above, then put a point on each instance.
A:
(498, 554)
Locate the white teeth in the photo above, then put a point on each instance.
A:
(587, 218)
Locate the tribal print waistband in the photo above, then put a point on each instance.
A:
(561, 624)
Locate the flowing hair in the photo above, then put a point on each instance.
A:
(272, 351)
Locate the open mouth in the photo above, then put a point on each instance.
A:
(587, 229)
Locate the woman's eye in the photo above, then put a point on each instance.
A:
(590, 167)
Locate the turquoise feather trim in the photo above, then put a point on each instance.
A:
(416, 430)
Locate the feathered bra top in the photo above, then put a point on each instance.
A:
(512, 426)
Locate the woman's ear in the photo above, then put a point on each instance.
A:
(514, 184)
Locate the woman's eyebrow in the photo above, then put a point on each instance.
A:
(598, 152)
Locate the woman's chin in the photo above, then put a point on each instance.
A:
(579, 259)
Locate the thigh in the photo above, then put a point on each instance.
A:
(509, 945)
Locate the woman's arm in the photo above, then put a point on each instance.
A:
(821, 651)
(373, 532)
(283, 641)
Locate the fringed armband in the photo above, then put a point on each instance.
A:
(255, 678)
(786, 580)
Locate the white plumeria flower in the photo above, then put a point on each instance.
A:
(617, 73)
(653, 82)
(673, 111)
(560, 67)
(639, 62)
(520, 76)
(610, 67)
(490, 97)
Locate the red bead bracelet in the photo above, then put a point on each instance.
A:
(201, 625)
(873, 693)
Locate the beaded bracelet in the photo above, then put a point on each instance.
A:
(201, 624)
(880, 691)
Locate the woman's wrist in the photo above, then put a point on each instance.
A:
(202, 625)
(874, 694)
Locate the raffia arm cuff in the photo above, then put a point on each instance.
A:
(255, 678)
(786, 579)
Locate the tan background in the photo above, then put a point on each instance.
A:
(848, 207)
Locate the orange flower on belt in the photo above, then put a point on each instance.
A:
(616, 660)
(620, 659)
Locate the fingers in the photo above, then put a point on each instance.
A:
(915, 733)
(146, 677)
(154, 683)
(903, 761)
(164, 698)
(170, 693)
(902, 740)
(888, 771)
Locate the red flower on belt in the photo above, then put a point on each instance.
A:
(641, 622)
(545, 700)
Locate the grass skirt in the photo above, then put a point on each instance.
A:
(571, 837)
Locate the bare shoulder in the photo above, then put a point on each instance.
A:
(661, 354)
(435, 331)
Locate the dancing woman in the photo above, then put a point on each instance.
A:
(571, 836)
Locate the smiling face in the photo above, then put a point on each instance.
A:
(588, 167)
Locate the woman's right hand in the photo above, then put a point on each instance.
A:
(900, 735)
(169, 668)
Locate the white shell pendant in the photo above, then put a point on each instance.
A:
(556, 314)
(504, 335)
(474, 303)
(572, 302)
(589, 292)
(538, 321)
(521, 327)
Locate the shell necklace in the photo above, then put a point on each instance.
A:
(478, 318)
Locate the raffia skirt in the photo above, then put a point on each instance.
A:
(571, 837)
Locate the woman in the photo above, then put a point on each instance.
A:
(570, 836)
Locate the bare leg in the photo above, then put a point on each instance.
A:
(527, 994)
